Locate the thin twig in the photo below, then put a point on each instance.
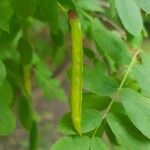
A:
(118, 90)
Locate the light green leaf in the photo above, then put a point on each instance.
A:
(144, 4)
(6, 93)
(94, 101)
(97, 82)
(118, 148)
(50, 86)
(130, 15)
(7, 120)
(113, 9)
(89, 5)
(6, 13)
(111, 44)
(126, 134)
(98, 143)
(90, 120)
(72, 143)
(2, 72)
(138, 110)
(142, 74)
(24, 8)
(79, 143)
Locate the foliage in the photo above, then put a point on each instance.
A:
(116, 76)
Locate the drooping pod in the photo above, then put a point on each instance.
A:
(76, 70)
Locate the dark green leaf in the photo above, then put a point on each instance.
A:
(7, 120)
(89, 53)
(117, 107)
(25, 112)
(94, 101)
(130, 15)
(34, 137)
(57, 38)
(138, 110)
(24, 8)
(13, 73)
(90, 120)
(26, 51)
(6, 93)
(47, 11)
(2, 72)
(6, 13)
(110, 134)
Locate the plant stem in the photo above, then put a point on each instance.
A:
(62, 8)
(118, 90)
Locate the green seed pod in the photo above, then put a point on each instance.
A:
(76, 71)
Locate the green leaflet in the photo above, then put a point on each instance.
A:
(130, 15)
(13, 73)
(94, 101)
(111, 44)
(113, 9)
(90, 120)
(126, 134)
(6, 93)
(144, 4)
(98, 143)
(2, 72)
(119, 148)
(138, 110)
(47, 11)
(47, 83)
(96, 81)
(142, 74)
(79, 143)
(90, 5)
(24, 8)
(6, 13)
(26, 51)
(75, 143)
(7, 120)
(135, 41)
